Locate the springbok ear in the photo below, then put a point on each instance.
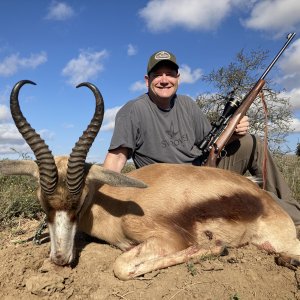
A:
(102, 175)
(19, 167)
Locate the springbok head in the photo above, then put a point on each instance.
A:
(66, 184)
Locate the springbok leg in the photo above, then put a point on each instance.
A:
(154, 254)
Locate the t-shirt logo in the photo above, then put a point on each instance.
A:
(171, 133)
(162, 55)
(173, 139)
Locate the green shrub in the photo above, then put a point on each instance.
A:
(18, 198)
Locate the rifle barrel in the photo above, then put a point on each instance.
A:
(290, 36)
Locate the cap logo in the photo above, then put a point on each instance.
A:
(162, 55)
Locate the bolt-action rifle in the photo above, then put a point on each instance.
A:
(222, 130)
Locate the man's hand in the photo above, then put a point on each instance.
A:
(243, 127)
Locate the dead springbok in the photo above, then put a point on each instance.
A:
(185, 211)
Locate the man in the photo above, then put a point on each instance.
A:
(162, 126)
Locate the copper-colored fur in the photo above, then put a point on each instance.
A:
(184, 212)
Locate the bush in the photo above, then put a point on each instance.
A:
(18, 199)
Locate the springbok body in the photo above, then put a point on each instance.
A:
(184, 212)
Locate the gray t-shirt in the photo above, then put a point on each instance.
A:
(155, 136)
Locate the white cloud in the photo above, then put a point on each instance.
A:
(290, 66)
(4, 94)
(8, 150)
(279, 16)
(162, 15)
(4, 113)
(131, 50)
(46, 134)
(294, 96)
(138, 86)
(10, 65)
(290, 62)
(86, 66)
(296, 125)
(109, 118)
(275, 15)
(60, 11)
(9, 134)
(10, 139)
(189, 76)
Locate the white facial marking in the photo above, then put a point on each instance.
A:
(62, 233)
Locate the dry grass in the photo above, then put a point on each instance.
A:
(289, 165)
(18, 199)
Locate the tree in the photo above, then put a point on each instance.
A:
(298, 149)
(240, 76)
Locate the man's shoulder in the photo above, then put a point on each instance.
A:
(137, 101)
(134, 104)
(186, 97)
(186, 100)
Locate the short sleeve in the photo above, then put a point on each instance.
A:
(125, 132)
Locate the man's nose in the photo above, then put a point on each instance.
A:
(164, 78)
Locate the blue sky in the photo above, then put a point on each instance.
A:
(60, 44)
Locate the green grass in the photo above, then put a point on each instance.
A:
(18, 193)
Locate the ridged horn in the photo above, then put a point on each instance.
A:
(45, 159)
(75, 172)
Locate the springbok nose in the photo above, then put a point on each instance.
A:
(60, 259)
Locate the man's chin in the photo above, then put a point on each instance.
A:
(165, 95)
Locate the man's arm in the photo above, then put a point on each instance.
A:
(116, 159)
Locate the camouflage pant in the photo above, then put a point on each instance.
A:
(247, 153)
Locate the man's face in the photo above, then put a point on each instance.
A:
(162, 82)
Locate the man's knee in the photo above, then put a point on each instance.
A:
(245, 144)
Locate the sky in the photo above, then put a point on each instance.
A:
(59, 44)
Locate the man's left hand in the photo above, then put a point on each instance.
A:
(243, 127)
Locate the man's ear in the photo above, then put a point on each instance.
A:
(146, 80)
(178, 76)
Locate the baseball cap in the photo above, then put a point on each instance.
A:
(160, 56)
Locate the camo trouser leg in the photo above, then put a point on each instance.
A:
(247, 153)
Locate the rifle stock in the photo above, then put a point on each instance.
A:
(221, 142)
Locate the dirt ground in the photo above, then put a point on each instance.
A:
(26, 273)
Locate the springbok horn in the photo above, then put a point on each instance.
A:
(45, 159)
(75, 172)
